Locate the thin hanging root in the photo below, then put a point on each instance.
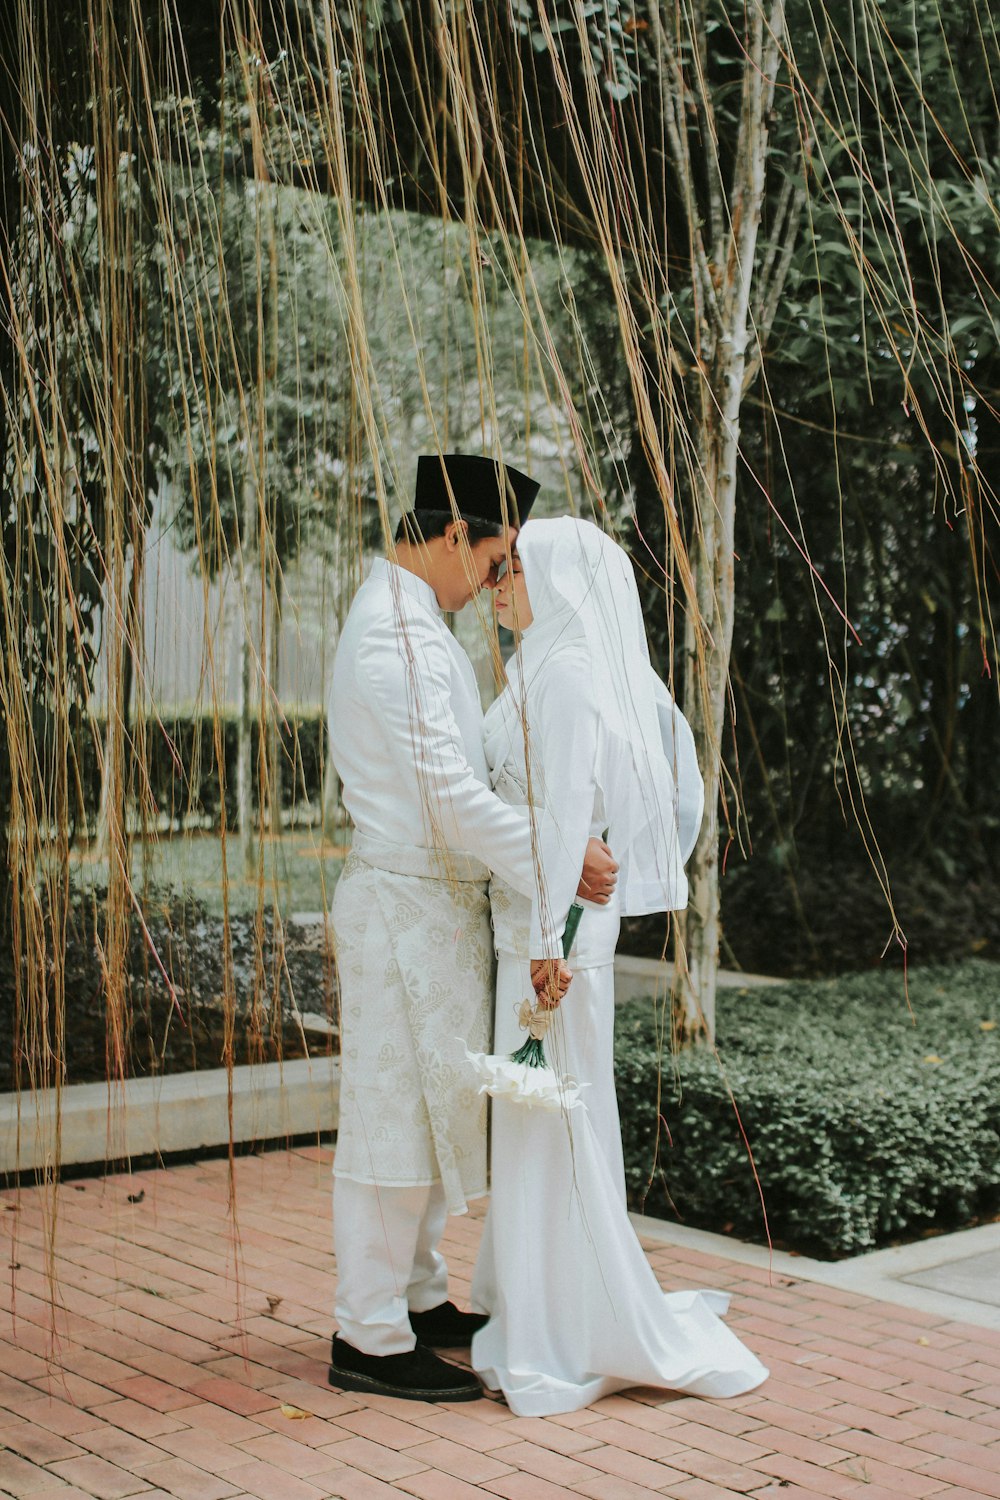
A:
(247, 271)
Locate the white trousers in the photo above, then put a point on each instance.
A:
(386, 1243)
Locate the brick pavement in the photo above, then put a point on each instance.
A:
(153, 1343)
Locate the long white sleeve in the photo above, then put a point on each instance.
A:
(564, 739)
(408, 679)
(682, 757)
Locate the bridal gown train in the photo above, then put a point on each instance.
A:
(576, 1310)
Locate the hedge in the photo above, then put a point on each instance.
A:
(183, 772)
(867, 1125)
(833, 918)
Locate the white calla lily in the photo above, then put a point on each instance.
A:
(538, 1088)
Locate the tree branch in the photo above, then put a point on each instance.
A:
(788, 220)
(677, 135)
(706, 116)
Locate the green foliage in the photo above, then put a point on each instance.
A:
(817, 908)
(867, 1126)
(259, 402)
(276, 971)
(61, 515)
(869, 470)
(914, 689)
(182, 770)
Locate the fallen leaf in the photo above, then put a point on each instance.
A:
(295, 1413)
(933, 1059)
(925, 1342)
(987, 1026)
(272, 1302)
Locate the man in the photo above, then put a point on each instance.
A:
(412, 928)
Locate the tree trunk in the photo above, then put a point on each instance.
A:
(721, 376)
(705, 705)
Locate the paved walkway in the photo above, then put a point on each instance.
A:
(152, 1345)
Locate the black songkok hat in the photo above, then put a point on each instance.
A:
(478, 485)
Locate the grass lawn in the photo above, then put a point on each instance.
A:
(297, 871)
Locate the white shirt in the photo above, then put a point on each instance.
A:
(406, 731)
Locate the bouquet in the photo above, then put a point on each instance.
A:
(525, 1076)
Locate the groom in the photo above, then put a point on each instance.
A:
(411, 922)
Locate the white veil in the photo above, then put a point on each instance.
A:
(584, 600)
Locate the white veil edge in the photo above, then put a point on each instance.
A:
(584, 596)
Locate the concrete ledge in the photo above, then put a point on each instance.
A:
(636, 978)
(880, 1274)
(92, 1122)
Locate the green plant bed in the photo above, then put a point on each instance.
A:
(271, 972)
(868, 1125)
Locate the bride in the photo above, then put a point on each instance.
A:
(575, 1309)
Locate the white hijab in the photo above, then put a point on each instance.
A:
(584, 600)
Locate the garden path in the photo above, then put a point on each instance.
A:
(152, 1343)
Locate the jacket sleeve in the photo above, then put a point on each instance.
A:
(564, 742)
(406, 669)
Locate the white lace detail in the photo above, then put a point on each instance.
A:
(416, 970)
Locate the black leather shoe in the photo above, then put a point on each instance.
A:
(444, 1327)
(417, 1375)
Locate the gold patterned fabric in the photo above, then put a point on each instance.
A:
(415, 962)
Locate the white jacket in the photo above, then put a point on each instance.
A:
(406, 731)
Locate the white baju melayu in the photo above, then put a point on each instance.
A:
(576, 1311)
(414, 952)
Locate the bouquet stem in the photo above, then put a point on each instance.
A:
(525, 1075)
(532, 1052)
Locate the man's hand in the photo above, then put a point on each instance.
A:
(600, 874)
(550, 979)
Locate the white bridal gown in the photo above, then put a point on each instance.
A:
(576, 1311)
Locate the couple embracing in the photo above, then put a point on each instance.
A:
(473, 837)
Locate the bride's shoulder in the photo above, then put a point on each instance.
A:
(564, 680)
(567, 663)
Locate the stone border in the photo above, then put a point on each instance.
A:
(93, 1123)
(879, 1273)
(636, 978)
(188, 1112)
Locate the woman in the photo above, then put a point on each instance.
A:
(576, 1311)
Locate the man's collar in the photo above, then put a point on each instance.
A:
(401, 578)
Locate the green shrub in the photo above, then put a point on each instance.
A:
(183, 773)
(828, 916)
(867, 1125)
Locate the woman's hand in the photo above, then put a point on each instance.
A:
(550, 979)
(600, 874)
